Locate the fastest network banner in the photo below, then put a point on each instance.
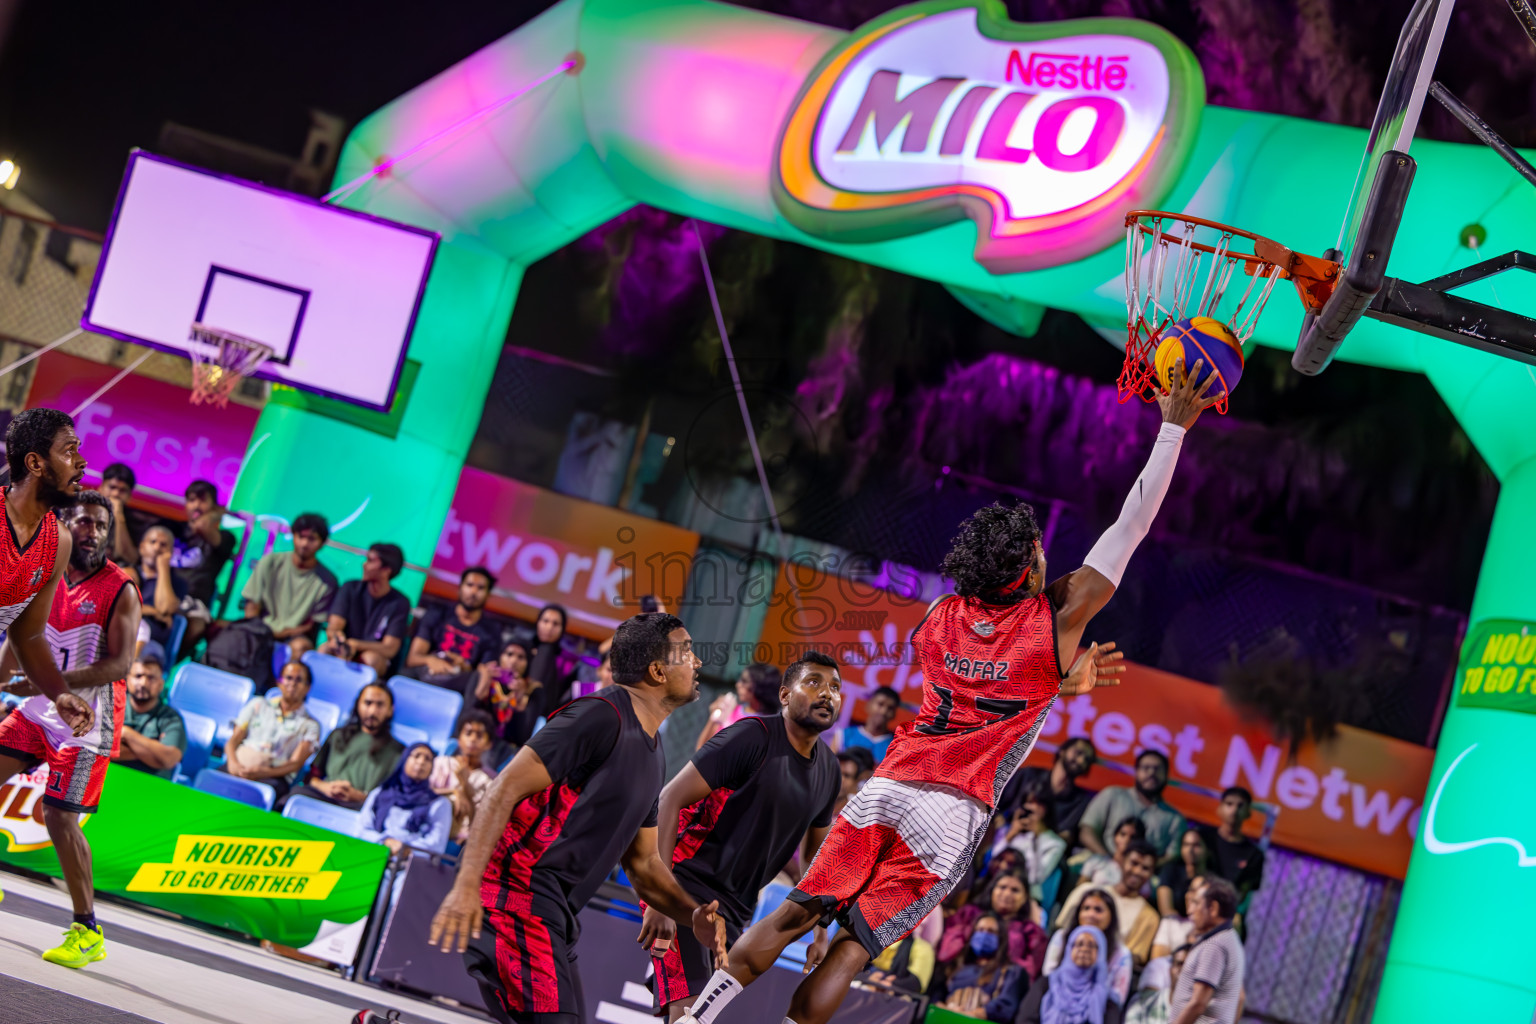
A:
(209, 859)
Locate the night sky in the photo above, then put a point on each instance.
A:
(81, 85)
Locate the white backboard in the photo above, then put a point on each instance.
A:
(334, 292)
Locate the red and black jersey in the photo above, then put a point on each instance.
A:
(24, 566)
(765, 795)
(990, 675)
(561, 843)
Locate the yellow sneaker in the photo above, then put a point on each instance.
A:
(81, 946)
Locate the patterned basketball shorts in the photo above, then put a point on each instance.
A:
(894, 853)
(75, 774)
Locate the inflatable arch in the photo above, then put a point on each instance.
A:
(730, 116)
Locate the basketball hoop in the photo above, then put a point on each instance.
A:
(220, 361)
(1179, 266)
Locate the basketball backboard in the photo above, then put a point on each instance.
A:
(333, 292)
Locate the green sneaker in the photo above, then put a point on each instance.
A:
(81, 946)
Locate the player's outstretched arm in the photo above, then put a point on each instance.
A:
(1080, 595)
(458, 919)
(30, 646)
(655, 883)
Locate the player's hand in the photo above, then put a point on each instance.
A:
(1097, 666)
(709, 929)
(816, 952)
(656, 931)
(76, 713)
(1184, 402)
(457, 920)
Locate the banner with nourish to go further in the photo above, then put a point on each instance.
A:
(210, 859)
(546, 548)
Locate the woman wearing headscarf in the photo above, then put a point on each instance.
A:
(1078, 991)
(550, 665)
(404, 813)
(986, 986)
(1096, 909)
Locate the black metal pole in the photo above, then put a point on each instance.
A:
(1477, 126)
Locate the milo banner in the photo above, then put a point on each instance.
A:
(209, 859)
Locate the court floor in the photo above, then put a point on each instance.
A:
(158, 970)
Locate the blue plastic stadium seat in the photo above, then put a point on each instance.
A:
(209, 691)
(245, 791)
(200, 732)
(280, 658)
(322, 711)
(429, 708)
(409, 734)
(321, 814)
(173, 641)
(337, 681)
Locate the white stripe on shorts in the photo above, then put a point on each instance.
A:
(938, 823)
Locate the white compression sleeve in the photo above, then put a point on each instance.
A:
(1114, 549)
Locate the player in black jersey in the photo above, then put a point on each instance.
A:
(734, 816)
(577, 799)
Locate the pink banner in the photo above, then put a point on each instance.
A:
(146, 424)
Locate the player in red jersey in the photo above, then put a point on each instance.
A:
(92, 627)
(992, 656)
(43, 456)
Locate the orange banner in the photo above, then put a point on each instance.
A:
(1355, 800)
(547, 548)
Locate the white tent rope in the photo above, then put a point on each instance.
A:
(109, 385)
(24, 360)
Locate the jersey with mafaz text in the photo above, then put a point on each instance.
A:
(990, 675)
(24, 567)
(77, 636)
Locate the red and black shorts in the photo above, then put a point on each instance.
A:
(526, 966)
(75, 774)
(687, 965)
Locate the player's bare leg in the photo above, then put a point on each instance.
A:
(752, 955)
(10, 767)
(74, 856)
(820, 994)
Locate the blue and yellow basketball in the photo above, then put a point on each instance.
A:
(1200, 338)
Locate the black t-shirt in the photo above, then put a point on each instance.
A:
(443, 632)
(1175, 877)
(1069, 806)
(372, 618)
(201, 562)
(1240, 863)
(766, 794)
(561, 843)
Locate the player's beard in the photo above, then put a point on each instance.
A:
(52, 494)
(810, 723)
(87, 561)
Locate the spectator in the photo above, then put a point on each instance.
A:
(290, 591)
(1033, 833)
(605, 669)
(1005, 900)
(369, 618)
(463, 776)
(204, 547)
(1137, 920)
(503, 690)
(1102, 870)
(403, 812)
(1144, 801)
(1176, 931)
(857, 766)
(117, 483)
(451, 643)
(162, 590)
(1096, 909)
(1079, 992)
(354, 759)
(1074, 759)
(154, 735)
(986, 985)
(1007, 862)
(275, 735)
(1210, 987)
(907, 966)
(756, 693)
(1154, 1005)
(1175, 877)
(1234, 856)
(550, 664)
(876, 732)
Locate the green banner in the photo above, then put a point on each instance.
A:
(209, 859)
(1498, 667)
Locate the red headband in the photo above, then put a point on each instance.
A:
(1016, 584)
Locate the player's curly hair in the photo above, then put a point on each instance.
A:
(994, 546)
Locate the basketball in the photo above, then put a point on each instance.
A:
(1200, 338)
